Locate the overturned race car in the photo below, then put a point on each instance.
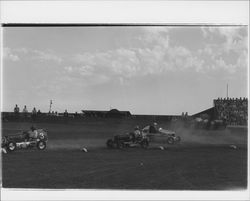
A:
(25, 140)
(128, 140)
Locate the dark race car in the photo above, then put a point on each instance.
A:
(26, 139)
(127, 140)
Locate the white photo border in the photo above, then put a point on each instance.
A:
(130, 13)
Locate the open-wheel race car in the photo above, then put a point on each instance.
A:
(127, 140)
(161, 135)
(27, 139)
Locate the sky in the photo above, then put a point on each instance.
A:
(157, 70)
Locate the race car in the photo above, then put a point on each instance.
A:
(127, 140)
(26, 139)
(161, 135)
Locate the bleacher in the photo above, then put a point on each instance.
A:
(234, 111)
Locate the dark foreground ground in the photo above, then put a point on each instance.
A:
(203, 161)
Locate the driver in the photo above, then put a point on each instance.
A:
(33, 134)
(137, 132)
(153, 128)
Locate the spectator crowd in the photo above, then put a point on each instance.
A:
(233, 111)
(24, 113)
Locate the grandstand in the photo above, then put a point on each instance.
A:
(233, 111)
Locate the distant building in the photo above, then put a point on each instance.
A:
(94, 113)
(114, 113)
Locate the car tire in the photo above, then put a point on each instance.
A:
(119, 145)
(11, 146)
(144, 144)
(110, 144)
(4, 141)
(170, 140)
(178, 139)
(41, 145)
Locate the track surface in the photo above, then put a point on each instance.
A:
(203, 161)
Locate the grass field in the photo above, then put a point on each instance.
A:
(203, 161)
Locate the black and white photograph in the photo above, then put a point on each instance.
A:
(143, 107)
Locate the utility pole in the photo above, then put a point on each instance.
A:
(50, 105)
(227, 90)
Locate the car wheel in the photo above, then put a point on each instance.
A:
(11, 146)
(178, 139)
(144, 144)
(170, 140)
(41, 145)
(4, 141)
(119, 145)
(110, 143)
(41, 136)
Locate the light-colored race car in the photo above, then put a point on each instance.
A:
(25, 140)
(161, 135)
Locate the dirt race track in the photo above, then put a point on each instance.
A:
(203, 160)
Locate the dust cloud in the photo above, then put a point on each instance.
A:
(212, 137)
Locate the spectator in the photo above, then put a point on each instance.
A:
(39, 112)
(25, 111)
(16, 110)
(65, 114)
(34, 111)
(75, 115)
